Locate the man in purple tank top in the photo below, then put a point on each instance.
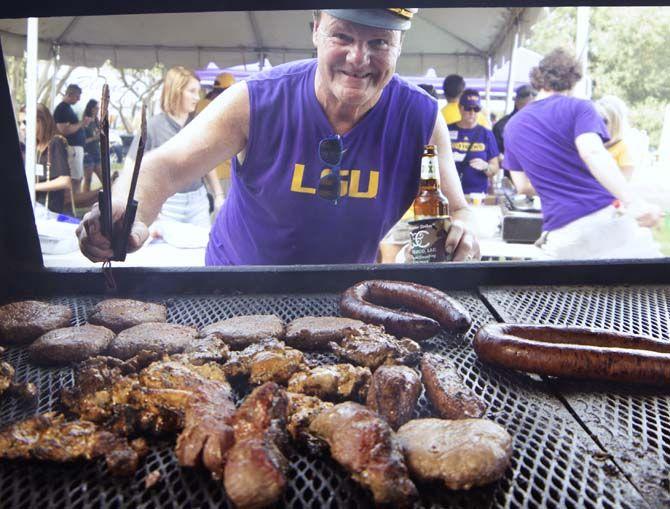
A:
(274, 128)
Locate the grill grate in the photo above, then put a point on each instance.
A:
(632, 424)
(555, 463)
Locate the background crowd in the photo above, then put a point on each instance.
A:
(570, 152)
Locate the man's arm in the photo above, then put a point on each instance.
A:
(522, 183)
(603, 167)
(218, 133)
(460, 240)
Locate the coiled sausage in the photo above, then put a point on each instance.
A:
(430, 308)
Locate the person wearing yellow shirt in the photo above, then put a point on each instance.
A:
(221, 83)
(614, 113)
(453, 86)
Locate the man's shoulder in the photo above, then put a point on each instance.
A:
(290, 69)
(62, 107)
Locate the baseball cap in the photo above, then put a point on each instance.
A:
(391, 18)
(524, 91)
(470, 99)
(224, 80)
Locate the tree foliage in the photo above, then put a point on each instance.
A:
(629, 55)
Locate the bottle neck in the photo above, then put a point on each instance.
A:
(430, 169)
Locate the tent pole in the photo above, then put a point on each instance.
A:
(55, 50)
(31, 104)
(510, 75)
(583, 88)
(488, 83)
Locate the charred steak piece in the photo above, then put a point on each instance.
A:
(333, 382)
(241, 331)
(451, 398)
(208, 349)
(365, 445)
(21, 322)
(120, 314)
(370, 346)
(255, 474)
(164, 338)
(394, 393)
(50, 437)
(461, 453)
(316, 332)
(26, 391)
(70, 344)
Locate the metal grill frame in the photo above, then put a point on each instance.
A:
(555, 462)
(632, 424)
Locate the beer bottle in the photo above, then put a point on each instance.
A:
(430, 202)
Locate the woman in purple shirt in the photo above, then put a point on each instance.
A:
(272, 127)
(554, 148)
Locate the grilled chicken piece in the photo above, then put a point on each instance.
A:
(21, 322)
(267, 361)
(461, 453)
(50, 437)
(7, 384)
(451, 398)
(166, 396)
(394, 393)
(241, 331)
(302, 410)
(365, 445)
(202, 350)
(333, 382)
(316, 332)
(255, 474)
(93, 395)
(370, 346)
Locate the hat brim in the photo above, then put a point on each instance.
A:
(376, 18)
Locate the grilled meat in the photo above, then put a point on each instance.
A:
(316, 332)
(333, 382)
(451, 398)
(70, 344)
(121, 314)
(21, 322)
(370, 346)
(8, 385)
(203, 350)
(302, 410)
(50, 437)
(255, 474)
(166, 396)
(241, 331)
(394, 393)
(461, 453)
(267, 361)
(166, 338)
(364, 444)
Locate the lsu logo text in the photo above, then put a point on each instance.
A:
(350, 183)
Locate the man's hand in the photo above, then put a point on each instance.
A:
(462, 243)
(479, 164)
(98, 248)
(646, 214)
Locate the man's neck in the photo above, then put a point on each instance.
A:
(544, 93)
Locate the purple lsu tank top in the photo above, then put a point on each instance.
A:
(273, 216)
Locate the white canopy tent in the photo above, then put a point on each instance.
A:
(449, 40)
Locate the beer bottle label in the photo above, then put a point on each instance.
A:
(429, 168)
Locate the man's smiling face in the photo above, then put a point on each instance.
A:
(355, 62)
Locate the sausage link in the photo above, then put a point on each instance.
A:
(576, 352)
(430, 309)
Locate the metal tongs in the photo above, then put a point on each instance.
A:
(118, 236)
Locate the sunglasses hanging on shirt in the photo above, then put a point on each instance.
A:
(330, 154)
